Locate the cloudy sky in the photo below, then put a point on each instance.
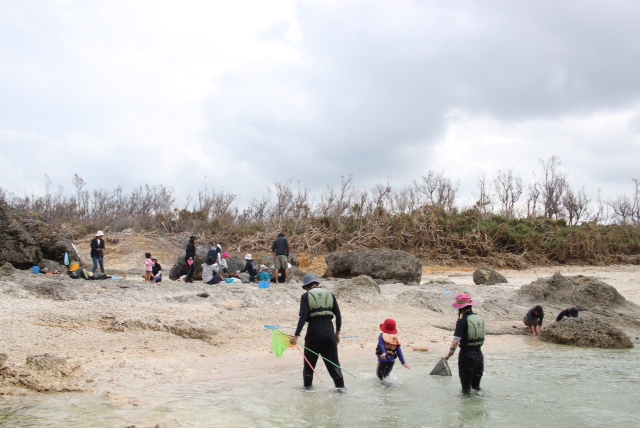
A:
(242, 94)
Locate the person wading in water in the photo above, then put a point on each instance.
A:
(469, 336)
(318, 307)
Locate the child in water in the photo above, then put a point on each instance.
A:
(148, 267)
(389, 348)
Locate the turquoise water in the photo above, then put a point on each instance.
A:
(537, 384)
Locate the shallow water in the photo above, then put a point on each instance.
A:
(537, 384)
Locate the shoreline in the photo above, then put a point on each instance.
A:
(122, 336)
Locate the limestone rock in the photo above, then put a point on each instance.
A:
(377, 264)
(586, 331)
(362, 284)
(487, 276)
(25, 239)
(577, 291)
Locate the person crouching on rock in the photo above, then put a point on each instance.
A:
(469, 336)
(571, 312)
(389, 348)
(533, 320)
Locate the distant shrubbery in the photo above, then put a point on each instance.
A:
(507, 226)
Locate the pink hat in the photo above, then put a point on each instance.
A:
(463, 300)
(225, 256)
(389, 326)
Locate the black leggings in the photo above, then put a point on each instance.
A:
(328, 348)
(384, 369)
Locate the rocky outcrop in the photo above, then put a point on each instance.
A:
(378, 264)
(41, 373)
(25, 239)
(358, 286)
(487, 276)
(577, 291)
(586, 331)
(180, 267)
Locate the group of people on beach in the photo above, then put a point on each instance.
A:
(215, 269)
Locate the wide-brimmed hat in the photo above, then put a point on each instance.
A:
(263, 266)
(248, 257)
(389, 326)
(463, 300)
(309, 279)
(154, 258)
(99, 233)
(225, 256)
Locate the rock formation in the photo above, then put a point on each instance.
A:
(586, 331)
(378, 264)
(487, 276)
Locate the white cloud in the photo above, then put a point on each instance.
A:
(251, 92)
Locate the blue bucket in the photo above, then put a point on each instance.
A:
(36, 269)
(264, 284)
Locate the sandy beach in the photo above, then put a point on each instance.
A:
(116, 337)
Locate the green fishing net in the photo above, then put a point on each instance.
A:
(279, 342)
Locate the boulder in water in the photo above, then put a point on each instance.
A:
(586, 331)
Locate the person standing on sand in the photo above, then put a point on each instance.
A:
(469, 336)
(533, 320)
(280, 248)
(190, 253)
(148, 268)
(97, 252)
(318, 307)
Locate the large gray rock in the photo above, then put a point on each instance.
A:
(577, 290)
(487, 276)
(180, 268)
(586, 331)
(25, 239)
(378, 264)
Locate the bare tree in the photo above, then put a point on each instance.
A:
(508, 188)
(438, 190)
(626, 210)
(533, 196)
(553, 185)
(576, 205)
(483, 203)
(336, 202)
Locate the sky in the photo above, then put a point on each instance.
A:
(239, 95)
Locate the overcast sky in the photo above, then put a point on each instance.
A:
(242, 94)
